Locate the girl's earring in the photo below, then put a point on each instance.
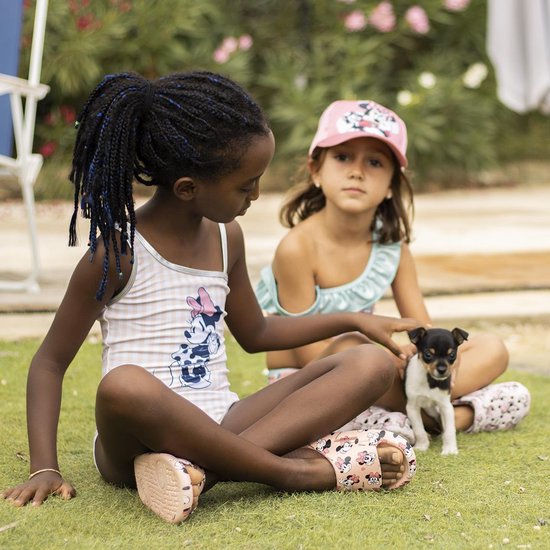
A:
(389, 195)
(317, 184)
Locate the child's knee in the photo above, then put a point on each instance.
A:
(376, 366)
(497, 352)
(119, 387)
(347, 341)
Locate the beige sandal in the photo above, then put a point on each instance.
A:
(165, 486)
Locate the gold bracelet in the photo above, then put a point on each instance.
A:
(45, 470)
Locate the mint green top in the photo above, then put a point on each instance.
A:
(360, 294)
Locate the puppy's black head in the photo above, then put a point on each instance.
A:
(437, 349)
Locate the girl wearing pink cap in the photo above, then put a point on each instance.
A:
(348, 244)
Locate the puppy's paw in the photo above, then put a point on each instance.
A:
(422, 444)
(451, 450)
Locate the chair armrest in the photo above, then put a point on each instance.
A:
(13, 84)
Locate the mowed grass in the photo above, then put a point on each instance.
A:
(494, 494)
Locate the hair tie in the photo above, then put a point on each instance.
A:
(149, 96)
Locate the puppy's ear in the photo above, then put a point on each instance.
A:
(416, 334)
(459, 335)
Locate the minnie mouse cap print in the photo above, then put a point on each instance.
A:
(344, 120)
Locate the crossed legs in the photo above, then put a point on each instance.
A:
(483, 358)
(261, 437)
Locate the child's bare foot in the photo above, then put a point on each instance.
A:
(197, 482)
(363, 460)
(392, 464)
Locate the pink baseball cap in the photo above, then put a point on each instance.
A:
(344, 120)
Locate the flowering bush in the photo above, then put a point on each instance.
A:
(424, 59)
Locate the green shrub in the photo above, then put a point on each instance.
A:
(296, 56)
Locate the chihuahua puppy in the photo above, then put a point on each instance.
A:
(428, 381)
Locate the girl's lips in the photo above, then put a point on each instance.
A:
(353, 190)
(244, 209)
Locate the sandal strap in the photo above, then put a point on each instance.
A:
(354, 457)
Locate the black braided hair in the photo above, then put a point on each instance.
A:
(195, 124)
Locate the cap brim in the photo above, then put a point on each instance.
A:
(347, 136)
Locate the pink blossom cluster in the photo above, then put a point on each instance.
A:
(84, 19)
(382, 17)
(417, 19)
(456, 5)
(65, 114)
(230, 45)
(48, 148)
(355, 21)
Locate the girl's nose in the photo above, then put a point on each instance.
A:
(356, 172)
(255, 192)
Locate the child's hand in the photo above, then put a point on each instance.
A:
(37, 489)
(409, 350)
(380, 329)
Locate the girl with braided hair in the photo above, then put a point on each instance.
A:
(158, 279)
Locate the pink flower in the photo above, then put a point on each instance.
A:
(355, 21)
(245, 42)
(85, 22)
(48, 149)
(456, 5)
(220, 56)
(382, 17)
(230, 44)
(417, 19)
(68, 114)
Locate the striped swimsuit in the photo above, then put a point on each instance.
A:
(169, 319)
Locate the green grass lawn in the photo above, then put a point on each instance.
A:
(494, 494)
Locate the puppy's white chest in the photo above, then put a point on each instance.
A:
(419, 392)
(435, 401)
